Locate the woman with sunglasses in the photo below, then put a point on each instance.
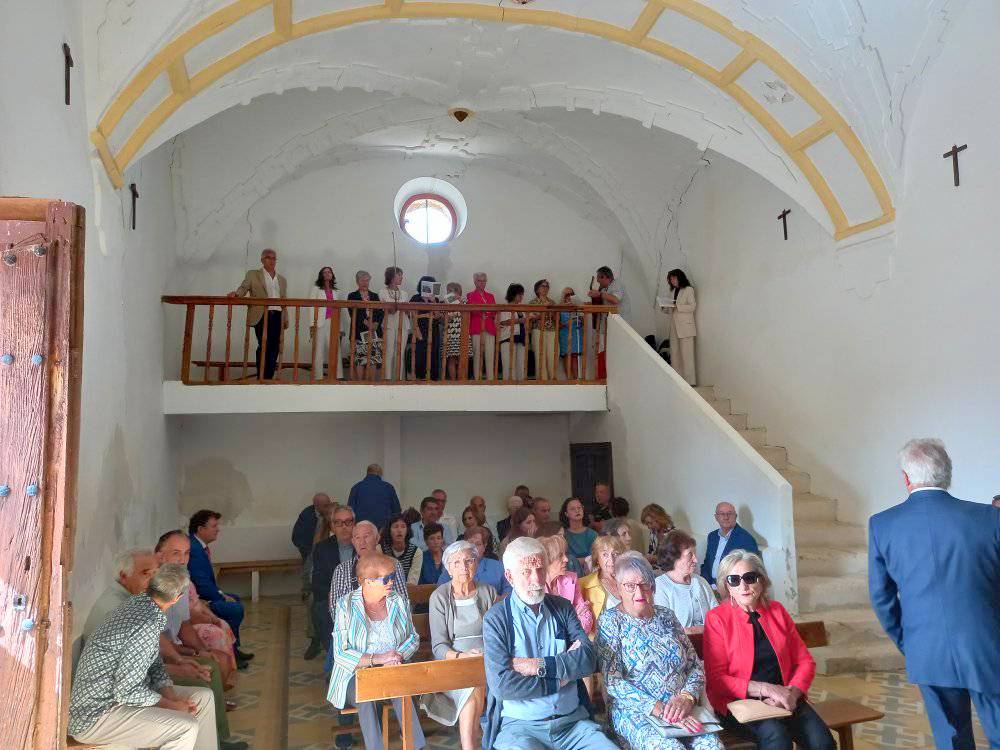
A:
(372, 627)
(456, 620)
(753, 650)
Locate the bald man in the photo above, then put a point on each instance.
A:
(728, 537)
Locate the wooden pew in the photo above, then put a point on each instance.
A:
(409, 680)
(255, 568)
(420, 593)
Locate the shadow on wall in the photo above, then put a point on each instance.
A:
(214, 483)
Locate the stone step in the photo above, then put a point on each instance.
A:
(775, 455)
(828, 534)
(876, 657)
(823, 593)
(707, 392)
(831, 561)
(800, 481)
(809, 507)
(738, 421)
(756, 436)
(722, 405)
(855, 626)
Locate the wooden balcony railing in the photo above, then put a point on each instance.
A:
(413, 342)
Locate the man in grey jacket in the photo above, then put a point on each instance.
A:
(536, 657)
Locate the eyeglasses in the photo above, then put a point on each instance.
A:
(343, 523)
(750, 577)
(630, 588)
(384, 580)
(467, 562)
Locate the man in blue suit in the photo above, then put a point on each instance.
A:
(728, 537)
(204, 529)
(934, 580)
(374, 499)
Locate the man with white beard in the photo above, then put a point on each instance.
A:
(537, 655)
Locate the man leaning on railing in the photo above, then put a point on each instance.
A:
(265, 282)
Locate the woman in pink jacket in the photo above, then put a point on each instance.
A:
(564, 583)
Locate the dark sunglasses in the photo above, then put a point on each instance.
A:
(384, 580)
(749, 577)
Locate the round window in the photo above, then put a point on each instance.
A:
(428, 218)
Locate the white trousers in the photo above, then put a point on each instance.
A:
(393, 361)
(544, 344)
(137, 726)
(682, 357)
(483, 345)
(515, 372)
(321, 355)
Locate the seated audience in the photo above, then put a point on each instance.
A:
(456, 619)
(326, 556)
(432, 565)
(479, 503)
(512, 323)
(308, 530)
(489, 570)
(374, 499)
(561, 582)
(426, 336)
(397, 541)
(364, 539)
(430, 513)
(537, 655)
(659, 523)
(618, 527)
(121, 693)
(444, 518)
(729, 537)
(600, 587)
(214, 633)
(601, 508)
(203, 529)
(753, 650)
(367, 326)
(372, 627)
(524, 493)
(514, 502)
(470, 520)
(522, 523)
(681, 589)
(325, 288)
(133, 569)
(554, 528)
(542, 509)
(652, 673)
(620, 510)
(579, 536)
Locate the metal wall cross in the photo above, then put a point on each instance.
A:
(68, 63)
(135, 196)
(783, 217)
(955, 151)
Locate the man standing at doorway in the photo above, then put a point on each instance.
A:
(265, 282)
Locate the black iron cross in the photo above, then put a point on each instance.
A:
(783, 216)
(68, 61)
(955, 151)
(135, 196)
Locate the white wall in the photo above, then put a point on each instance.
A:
(843, 356)
(670, 447)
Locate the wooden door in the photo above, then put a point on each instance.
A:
(590, 463)
(41, 316)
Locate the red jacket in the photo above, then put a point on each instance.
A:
(727, 646)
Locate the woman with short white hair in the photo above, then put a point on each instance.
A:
(456, 619)
(752, 649)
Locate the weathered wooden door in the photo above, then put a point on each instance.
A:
(590, 463)
(41, 318)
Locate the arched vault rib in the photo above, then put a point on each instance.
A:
(170, 59)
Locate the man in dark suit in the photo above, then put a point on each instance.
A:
(304, 531)
(728, 537)
(934, 580)
(326, 556)
(203, 529)
(374, 499)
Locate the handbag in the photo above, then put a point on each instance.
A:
(751, 709)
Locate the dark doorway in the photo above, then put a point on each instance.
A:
(590, 463)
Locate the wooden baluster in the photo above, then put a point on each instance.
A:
(262, 365)
(414, 318)
(371, 344)
(224, 374)
(430, 346)
(584, 356)
(496, 349)
(312, 349)
(527, 347)
(246, 349)
(398, 363)
(208, 343)
(511, 361)
(295, 345)
(463, 350)
(186, 346)
(281, 347)
(333, 348)
(354, 343)
(604, 340)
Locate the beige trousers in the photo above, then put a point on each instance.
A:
(483, 345)
(682, 357)
(546, 351)
(139, 726)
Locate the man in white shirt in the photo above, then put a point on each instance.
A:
(266, 282)
(449, 522)
(611, 292)
(430, 512)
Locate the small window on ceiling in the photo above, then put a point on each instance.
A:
(429, 218)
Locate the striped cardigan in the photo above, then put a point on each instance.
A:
(350, 639)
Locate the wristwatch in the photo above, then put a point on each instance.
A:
(541, 668)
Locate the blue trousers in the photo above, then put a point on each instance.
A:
(949, 711)
(231, 612)
(574, 731)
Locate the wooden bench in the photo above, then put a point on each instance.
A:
(420, 593)
(255, 568)
(409, 680)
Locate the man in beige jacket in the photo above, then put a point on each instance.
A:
(266, 282)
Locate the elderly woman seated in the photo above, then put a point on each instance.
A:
(600, 587)
(681, 589)
(753, 650)
(651, 670)
(456, 618)
(561, 581)
(372, 627)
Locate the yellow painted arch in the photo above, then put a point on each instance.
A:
(170, 60)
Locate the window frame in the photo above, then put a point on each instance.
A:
(429, 196)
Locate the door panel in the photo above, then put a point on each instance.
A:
(590, 463)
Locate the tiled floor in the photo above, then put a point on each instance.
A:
(310, 720)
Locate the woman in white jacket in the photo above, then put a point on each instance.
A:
(682, 327)
(325, 288)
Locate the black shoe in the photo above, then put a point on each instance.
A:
(233, 745)
(242, 665)
(243, 656)
(313, 651)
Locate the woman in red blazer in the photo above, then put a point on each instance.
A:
(752, 650)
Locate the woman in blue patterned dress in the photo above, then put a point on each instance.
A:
(652, 674)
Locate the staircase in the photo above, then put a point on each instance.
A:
(832, 563)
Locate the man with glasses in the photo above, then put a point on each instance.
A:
(728, 537)
(364, 539)
(326, 556)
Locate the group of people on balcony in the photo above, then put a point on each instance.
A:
(553, 603)
(386, 343)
